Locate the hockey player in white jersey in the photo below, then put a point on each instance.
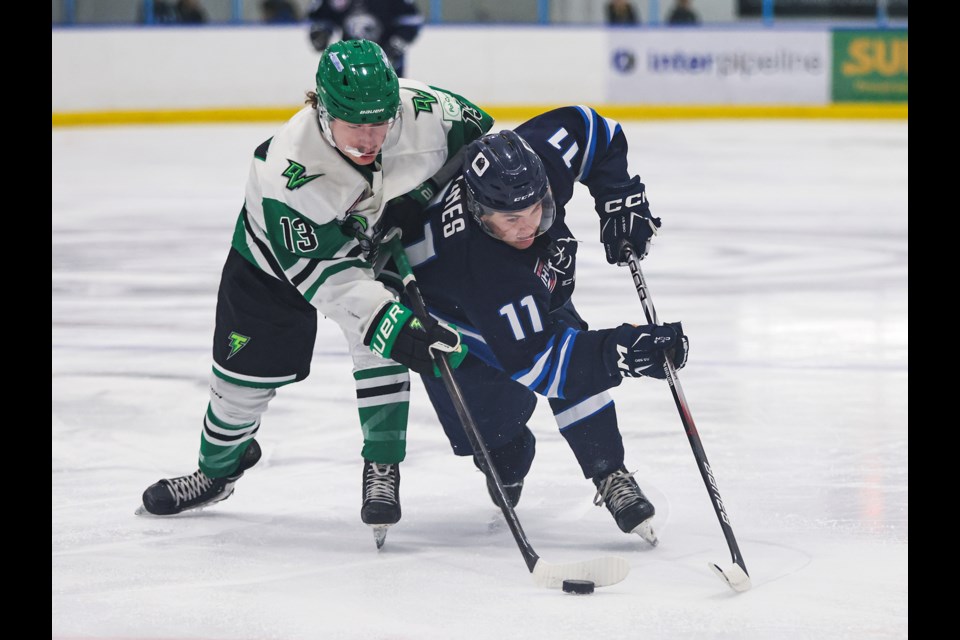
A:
(305, 241)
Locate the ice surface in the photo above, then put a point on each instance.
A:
(783, 251)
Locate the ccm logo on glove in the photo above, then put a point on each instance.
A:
(625, 218)
(612, 206)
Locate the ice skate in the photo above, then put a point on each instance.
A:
(512, 491)
(626, 503)
(381, 498)
(195, 491)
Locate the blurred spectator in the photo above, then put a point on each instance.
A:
(393, 24)
(682, 13)
(621, 12)
(163, 12)
(275, 11)
(190, 12)
(177, 12)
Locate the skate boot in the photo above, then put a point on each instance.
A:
(512, 490)
(626, 503)
(196, 491)
(381, 498)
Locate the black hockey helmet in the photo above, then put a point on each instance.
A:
(503, 174)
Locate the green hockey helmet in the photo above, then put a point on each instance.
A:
(357, 84)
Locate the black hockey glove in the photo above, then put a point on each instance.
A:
(636, 351)
(625, 217)
(410, 205)
(396, 334)
(319, 36)
(368, 238)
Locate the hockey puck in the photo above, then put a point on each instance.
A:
(578, 586)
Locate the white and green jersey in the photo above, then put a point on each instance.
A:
(301, 189)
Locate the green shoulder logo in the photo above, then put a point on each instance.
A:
(237, 342)
(422, 102)
(296, 175)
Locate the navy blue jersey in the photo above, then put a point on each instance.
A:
(503, 299)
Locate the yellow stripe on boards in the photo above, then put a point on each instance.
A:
(180, 116)
(511, 113)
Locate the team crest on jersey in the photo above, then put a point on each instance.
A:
(423, 101)
(237, 342)
(547, 275)
(296, 175)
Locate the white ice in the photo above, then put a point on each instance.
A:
(783, 251)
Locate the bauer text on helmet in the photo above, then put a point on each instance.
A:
(358, 97)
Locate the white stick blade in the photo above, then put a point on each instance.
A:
(603, 572)
(735, 577)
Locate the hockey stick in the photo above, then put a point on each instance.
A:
(736, 575)
(601, 571)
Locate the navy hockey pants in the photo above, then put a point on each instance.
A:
(501, 408)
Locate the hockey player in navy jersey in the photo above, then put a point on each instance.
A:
(393, 24)
(493, 255)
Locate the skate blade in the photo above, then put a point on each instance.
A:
(380, 534)
(142, 511)
(645, 531)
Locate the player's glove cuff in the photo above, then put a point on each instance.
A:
(635, 351)
(395, 333)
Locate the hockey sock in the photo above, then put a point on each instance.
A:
(383, 401)
(222, 444)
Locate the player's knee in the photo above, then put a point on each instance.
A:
(513, 459)
(235, 404)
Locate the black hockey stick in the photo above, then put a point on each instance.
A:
(601, 571)
(736, 575)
